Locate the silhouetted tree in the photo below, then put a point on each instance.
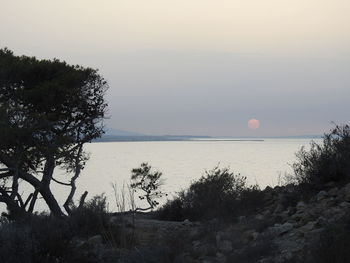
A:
(48, 110)
(148, 182)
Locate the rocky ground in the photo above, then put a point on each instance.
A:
(281, 231)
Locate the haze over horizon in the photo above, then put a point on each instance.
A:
(198, 66)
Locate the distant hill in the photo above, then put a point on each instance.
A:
(117, 135)
(117, 132)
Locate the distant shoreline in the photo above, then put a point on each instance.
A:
(169, 138)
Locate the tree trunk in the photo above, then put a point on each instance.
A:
(45, 192)
(51, 202)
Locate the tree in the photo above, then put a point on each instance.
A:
(48, 111)
(148, 182)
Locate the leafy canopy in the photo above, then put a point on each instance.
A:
(48, 110)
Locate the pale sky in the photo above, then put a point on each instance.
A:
(198, 66)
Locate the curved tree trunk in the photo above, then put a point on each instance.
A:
(45, 192)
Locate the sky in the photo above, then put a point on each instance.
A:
(200, 67)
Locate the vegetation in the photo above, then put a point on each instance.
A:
(328, 162)
(43, 238)
(48, 110)
(148, 182)
(219, 193)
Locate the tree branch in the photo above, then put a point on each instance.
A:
(59, 182)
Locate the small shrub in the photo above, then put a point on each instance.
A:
(219, 193)
(43, 238)
(39, 238)
(325, 162)
(91, 219)
(172, 210)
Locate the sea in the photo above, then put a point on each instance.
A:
(264, 162)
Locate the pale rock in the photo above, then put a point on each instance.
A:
(308, 227)
(301, 205)
(260, 217)
(279, 229)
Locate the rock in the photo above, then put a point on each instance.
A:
(279, 229)
(301, 205)
(184, 257)
(330, 184)
(322, 221)
(203, 249)
(308, 227)
(224, 246)
(207, 260)
(279, 208)
(345, 205)
(249, 236)
(321, 195)
(222, 242)
(194, 233)
(260, 217)
(220, 258)
(346, 193)
(187, 221)
(241, 219)
(221, 235)
(333, 192)
(95, 241)
(314, 234)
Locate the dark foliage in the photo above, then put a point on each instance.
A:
(90, 219)
(40, 238)
(327, 162)
(148, 182)
(220, 193)
(48, 110)
(43, 238)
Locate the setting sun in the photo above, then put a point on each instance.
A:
(253, 124)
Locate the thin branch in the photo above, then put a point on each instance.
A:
(33, 201)
(82, 199)
(59, 182)
(28, 200)
(4, 175)
(5, 169)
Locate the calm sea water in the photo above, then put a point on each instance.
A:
(181, 162)
(184, 161)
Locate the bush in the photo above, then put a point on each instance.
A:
(38, 238)
(327, 162)
(219, 193)
(91, 219)
(43, 238)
